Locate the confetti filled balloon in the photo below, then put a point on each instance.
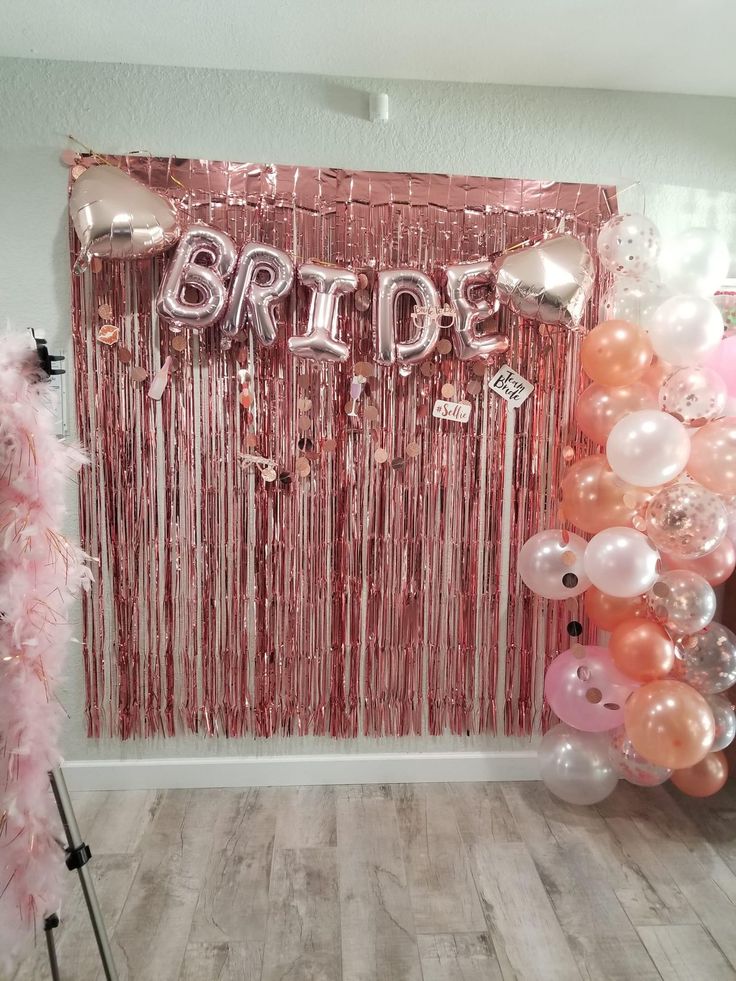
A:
(551, 565)
(575, 766)
(713, 456)
(707, 660)
(632, 766)
(683, 601)
(694, 396)
(687, 519)
(628, 245)
(621, 562)
(685, 329)
(615, 353)
(695, 261)
(585, 689)
(669, 723)
(599, 407)
(704, 778)
(551, 281)
(648, 448)
(725, 718)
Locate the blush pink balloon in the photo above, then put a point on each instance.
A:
(723, 361)
(588, 691)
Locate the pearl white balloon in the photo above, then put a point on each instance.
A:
(725, 716)
(621, 562)
(633, 300)
(695, 261)
(628, 245)
(575, 765)
(648, 448)
(685, 329)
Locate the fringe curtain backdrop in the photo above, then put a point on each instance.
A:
(362, 598)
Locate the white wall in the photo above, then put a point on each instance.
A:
(560, 134)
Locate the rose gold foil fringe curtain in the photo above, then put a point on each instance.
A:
(363, 598)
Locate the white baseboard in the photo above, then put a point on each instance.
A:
(289, 771)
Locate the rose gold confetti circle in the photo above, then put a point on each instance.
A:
(362, 300)
(138, 373)
(448, 391)
(413, 450)
(428, 368)
(474, 387)
(350, 407)
(96, 265)
(568, 558)
(594, 695)
(303, 423)
(269, 475)
(364, 368)
(180, 342)
(251, 440)
(125, 356)
(362, 281)
(105, 311)
(479, 368)
(304, 405)
(108, 334)
(371, 413)
(329, 445)
(380, 456)
(302, 467)
(444, 346)
(577, 650)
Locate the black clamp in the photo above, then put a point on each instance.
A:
(77, 857)
(47, 360)
(51, 922)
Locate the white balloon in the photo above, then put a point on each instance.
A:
(695, 261)
(575, 765)
(621, 562)
(632, 299)
(629, 245)
(685, 329)
(648, 448)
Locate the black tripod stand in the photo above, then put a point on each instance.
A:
(77, 857)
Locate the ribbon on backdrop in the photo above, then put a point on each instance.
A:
(369, 585)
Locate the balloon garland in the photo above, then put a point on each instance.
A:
(657, 497)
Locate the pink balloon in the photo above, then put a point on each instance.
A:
(587, 692)
(723, 361)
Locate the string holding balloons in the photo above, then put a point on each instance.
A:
(655, 504)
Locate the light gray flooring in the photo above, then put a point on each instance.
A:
(431, 882)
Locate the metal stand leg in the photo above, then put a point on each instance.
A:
(48, 927)
(78, 854)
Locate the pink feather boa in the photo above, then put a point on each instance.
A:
(41, 574)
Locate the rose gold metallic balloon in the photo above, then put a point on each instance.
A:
(593, 496)
(713, 456)
(715, 567)
(607, 611)
(615, 353)
(600, 407)
(117, 217)
(641, 649)
(669, 723)
(703, 779)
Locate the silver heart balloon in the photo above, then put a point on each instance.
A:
(117, 217)
(551, 281)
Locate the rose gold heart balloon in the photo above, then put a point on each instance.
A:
(550, 281)
(117, 217)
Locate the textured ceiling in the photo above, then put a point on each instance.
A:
(682, 46)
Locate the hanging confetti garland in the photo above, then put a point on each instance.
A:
(322, 547)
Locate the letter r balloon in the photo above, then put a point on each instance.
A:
(254, 301)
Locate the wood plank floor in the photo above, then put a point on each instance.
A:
(440, 882)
